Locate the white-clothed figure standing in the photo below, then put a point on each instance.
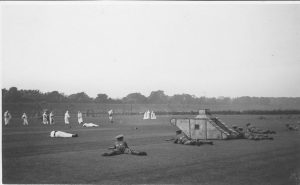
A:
(67, 117)
(80, 119)
(61, 134)
(7, 117)
(24, 118)
(45, 120)
(90, 125)
(51, 117)
(110, 116)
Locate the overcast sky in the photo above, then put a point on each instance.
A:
(117, 48)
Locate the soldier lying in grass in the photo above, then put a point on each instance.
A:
(250, 135)
(255, 130)
(182, 138)
(121, 147)
(291, 127)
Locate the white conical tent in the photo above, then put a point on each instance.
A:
(153, 116)
(147, 115)
(204, 126)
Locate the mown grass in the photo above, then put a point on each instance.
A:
(31, 156)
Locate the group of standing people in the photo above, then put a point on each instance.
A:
(80, 118)
(48, 118)
(7, 118)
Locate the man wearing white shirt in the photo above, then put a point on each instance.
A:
(67, 117)
(51, 118)
(24, 117)
(7, 117)
(45, 118)
(80, 119)
(110, 116)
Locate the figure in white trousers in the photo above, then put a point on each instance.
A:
(51, 118)
(67, 117)
(45, 120)
(80, 119)
(110, 116)
(7, 117)
(24, 118)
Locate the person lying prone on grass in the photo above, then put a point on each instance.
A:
(90, 125)
(182, 138)
(62, 134)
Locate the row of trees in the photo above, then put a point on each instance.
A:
(13, 95)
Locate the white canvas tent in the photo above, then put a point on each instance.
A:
(204, 126)
(153, 116)
(147, 115)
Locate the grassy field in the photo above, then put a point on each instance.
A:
(30, 156)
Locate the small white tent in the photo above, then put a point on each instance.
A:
(153, 116)
(147, 115)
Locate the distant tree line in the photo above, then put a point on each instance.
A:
(229, 112)
(13, 95)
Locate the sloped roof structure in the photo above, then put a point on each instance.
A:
(204, 126)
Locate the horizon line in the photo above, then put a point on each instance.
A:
(118, 98)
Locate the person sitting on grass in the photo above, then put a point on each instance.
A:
(121, 147)
(62, 134)
(182, 138)
(90, 125)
